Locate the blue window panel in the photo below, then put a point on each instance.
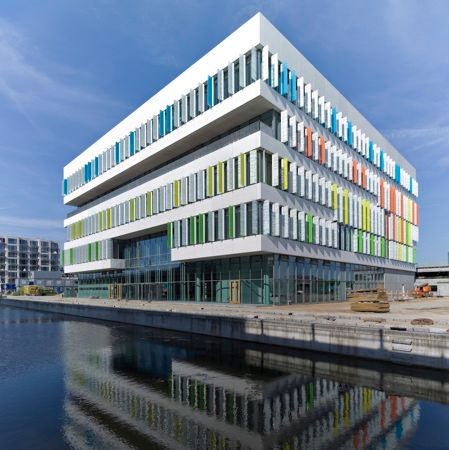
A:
(371, 152)
(66, 186)
(210, 91)
(334, 120)
(161, 124)
(168, 127)
(89, 170)
(382, 160)
(397, 173)
(293, 91)
(117, 152)
(350, 141)
(132, 143)
(85, 173)
(97, 166)
(411, 185)
(284, 79)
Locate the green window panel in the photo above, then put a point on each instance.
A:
(284, 174)
(201, 229)
(371, 244)
(360, 242)
(100, 221)
(231, 222)
(132, 210)
(210, 181)
(72, 256)
(334, 197)
(176, 193)
(368, 216)
(406, 253)
(220, 170)
(169, 235)
(89, 252)
(192, 230)
(345, 207)
(109, 218)
(97, 250)
(149, 204)
(309, 228)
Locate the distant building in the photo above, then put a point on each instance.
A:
(20, 256)
(247, 179)
(437, 277)
(56, 280)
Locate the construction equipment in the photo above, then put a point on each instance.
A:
(422, 291)
(369, 300)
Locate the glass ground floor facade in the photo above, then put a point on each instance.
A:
(257, 279)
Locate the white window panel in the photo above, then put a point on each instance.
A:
(315, 147)
(276, 219)
(184, 190)
(344, 123)
(265, 63)
(266, 213)
(253, 64)
(293, 181)
(322, 184)
(221, 224)
(242, 71)
(201, 185)
(275, 71)
(230, 175)
(211, 226)
(255, 217)
(275, 169)
(292, 132)
(321, 111)
(231, 78)
(293, 224)
(302, 226)
(201, 98)
(308, 98)
(309, 191)
(184, 109)
(169, 196)
(285, 222)
(301, 181)
(315, 188)
(192, 188)
(220, 85)
(300, 137)
(192, 105)
(315, 104)
(284, 126)
(316, 230)
(243, 220)
(300, 87)
(327, 115)
(253, 166)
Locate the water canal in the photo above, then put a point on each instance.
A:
(69, 383)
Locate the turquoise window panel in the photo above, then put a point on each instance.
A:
(132, 143)
(66, 187)
(210, 91)
(168, 120)
(284, 79)
(334, 120)
(370, 152)
(382, 160)
(97, 166)
(117, 152)
(350, 141)
(161, 123)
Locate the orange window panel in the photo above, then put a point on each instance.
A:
(309, 142)
(363, 177)
(392, 199)
(355, 175)
(322, 150)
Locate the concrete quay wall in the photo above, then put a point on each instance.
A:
(416, 348)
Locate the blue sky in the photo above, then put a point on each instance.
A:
(71, 70)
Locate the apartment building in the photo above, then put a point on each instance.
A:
(20, 257)
(247, 179)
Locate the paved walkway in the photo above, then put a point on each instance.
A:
(400, 315)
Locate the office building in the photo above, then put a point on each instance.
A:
(20, 257)
(247, 179)
(436, 276)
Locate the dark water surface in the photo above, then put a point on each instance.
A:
(68, 383)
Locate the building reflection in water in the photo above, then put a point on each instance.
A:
(125, 391)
